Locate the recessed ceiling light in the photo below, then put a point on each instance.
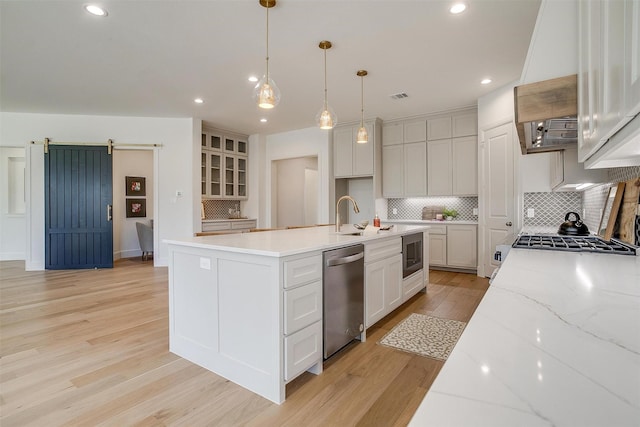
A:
(95, 10)
(263, 120)
(198, 101)
(253, 79)
(458, 8)
(485, 81)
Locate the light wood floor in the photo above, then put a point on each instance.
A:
(90, 348)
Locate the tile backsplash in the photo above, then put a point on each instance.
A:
(218, 209)
(412, 208)
(550, 208)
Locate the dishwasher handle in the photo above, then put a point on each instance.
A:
(344, 260)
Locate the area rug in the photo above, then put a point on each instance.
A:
(425, 335)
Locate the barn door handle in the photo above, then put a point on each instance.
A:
(109, 213)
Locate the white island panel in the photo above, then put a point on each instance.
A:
(227, 318)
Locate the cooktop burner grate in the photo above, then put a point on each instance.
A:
(573, 244)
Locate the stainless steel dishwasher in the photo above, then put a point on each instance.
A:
(343, 297)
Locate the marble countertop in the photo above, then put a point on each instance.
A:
(554, 342)
(279, 243)
(432, 221)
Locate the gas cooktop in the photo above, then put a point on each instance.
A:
(555, 242)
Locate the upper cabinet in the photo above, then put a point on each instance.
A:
(452, 155)
(351, 159)
(224, 163)
(404, 158)
(431, 156)
(609, 83)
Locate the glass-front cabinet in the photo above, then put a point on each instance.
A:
(224, 165)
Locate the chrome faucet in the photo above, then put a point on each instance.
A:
(355, 209)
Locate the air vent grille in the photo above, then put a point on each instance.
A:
(399, 95)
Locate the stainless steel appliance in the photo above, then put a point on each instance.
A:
(554, 242)
(411, 254)
(343, 297)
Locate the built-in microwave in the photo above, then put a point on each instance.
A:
(411, 254)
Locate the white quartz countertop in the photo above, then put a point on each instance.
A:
(554, 342)
(433, 221)
(229, 219)
(279, 243)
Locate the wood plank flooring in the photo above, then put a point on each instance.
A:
(90, 347)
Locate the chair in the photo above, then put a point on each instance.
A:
(145, 238)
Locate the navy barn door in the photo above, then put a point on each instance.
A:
(78, 200)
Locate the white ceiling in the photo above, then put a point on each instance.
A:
(152, 58)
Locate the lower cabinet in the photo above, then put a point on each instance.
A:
(462, 246)
(383, 284)
(453, 246)
(301, 350)
(382, 279)
(302, 329)
(412, 284)
(233, 226)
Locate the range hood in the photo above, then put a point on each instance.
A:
(546, 114)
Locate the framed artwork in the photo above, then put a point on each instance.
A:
(135, 186)
(136, 208)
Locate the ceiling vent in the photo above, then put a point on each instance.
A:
(399, 95)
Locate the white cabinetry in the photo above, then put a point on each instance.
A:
(462, 246)
(393, 171)
(404, 157)
(351, 159)
(302, 333)
(224, 166)
(383, 279)
(415, 174)
(232, 226)
(608, 82)
(452, 155)
(438, 245)
(453, 246)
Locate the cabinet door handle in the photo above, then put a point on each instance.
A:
(509, 224)
(109, 212)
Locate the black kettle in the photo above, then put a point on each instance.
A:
(573, 228)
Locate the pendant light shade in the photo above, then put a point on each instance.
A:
(362, 137)
(266, 92)
(326, 117)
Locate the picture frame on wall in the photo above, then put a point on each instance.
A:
(136, 208)
(135, 186)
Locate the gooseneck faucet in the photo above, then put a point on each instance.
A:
(355, 209)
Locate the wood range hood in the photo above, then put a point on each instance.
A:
(546, 114)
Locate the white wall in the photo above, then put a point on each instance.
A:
(130, 163)
(173, 162)
(12, 204)
(264, 149)
(290, 188)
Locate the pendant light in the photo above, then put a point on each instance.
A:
(326, 118)
(363, 136)
(266, 93)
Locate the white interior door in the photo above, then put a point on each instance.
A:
(499, 196)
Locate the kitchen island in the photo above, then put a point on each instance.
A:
(249, 306)
(555, 341)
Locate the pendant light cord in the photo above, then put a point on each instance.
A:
(325, 78)
(267, 80)
(362, 101)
